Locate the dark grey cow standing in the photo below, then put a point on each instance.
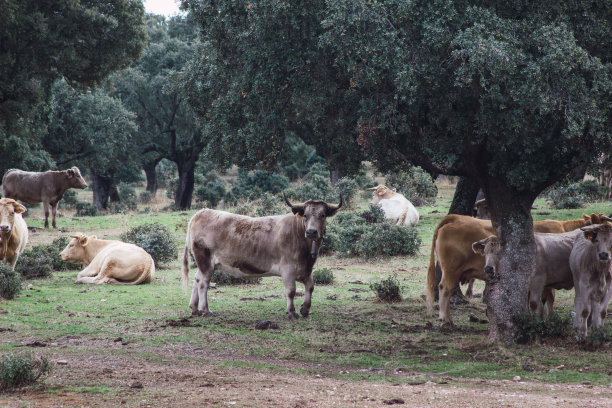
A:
(47, 187)
(281, 245)
(591, 266)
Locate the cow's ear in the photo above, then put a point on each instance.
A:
(70, 173)
(83, 240)
(298, 211)
(478, 247)
(590, 234)
(19, 208)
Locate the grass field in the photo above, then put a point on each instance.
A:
(138, 346)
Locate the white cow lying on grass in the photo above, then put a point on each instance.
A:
(108, 261)
(395, 206)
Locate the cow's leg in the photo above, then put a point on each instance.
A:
(199, 295)
(289, 281)
(53, 212)
(548, 297)
(583, 310)
(88, 272)
(447, 284)
(469, 293)
(308, 288)
(46, 208)
(536, 290)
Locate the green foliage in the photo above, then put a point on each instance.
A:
(348, 188)
(342, 233)
(144, 197)
(19, 370)
(70, 199)
(597, 338)
(415, 184)
(10, 284)
(212, 192)
(323, 276)
(529, 327)
(385, 239)
(42, 260)
(85, 209)
(387, 290)
(374, 215)
(127, 195)
(222, 278)
(576, 194)
(316, 185)
(165, 170)
(266, 204)
(154, 238)
(251, 185)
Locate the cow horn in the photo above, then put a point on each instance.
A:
(336, 207)
(294, 207)
(372, 188)
(606, 218)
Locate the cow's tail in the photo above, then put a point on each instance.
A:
(431, 271)
(185, 278)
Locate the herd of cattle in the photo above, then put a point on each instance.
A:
(569, 254)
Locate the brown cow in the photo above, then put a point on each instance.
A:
(47, 187)
(109, 261)
(552, 270)
(452, 243)
(281, 245)
(13, 231)
(591, 270)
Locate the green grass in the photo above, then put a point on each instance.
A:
(351, 337)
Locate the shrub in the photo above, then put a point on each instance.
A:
(388, 290)
(154, 238)
(530, 327)
(415, 184)
(315, 186)
(41, 260)
(251, 185)
(598, 337)
(70, 199)
(576, 194)
(145, 197)
(212, 192)
(222, 278)
(342, 232)
(323, 276)
(348, 188)
(85, 209)
(269, 204)
(18, 370)
(374, 215)
(387, 239)
(10, 284)
(127, 194)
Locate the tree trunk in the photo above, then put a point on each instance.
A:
(151, 174)
(335, 175)
(184, 191)
(463, 204)
(102, 185)
(114, 194)
(507, 292)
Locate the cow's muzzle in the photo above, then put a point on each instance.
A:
(312, 233)
(5, 228)
(490, 271)
(604, 256)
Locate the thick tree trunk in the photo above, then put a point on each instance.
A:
(507, 292)
(102, 185)
(335, 175)
(114, 194)
(184, 191)
(463, 204)
(149, 169)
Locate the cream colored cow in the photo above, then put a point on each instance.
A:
(108, 261)
(13, 231)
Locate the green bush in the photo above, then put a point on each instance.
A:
(574, 195)
(385, 239)
(323, 276)
(415, 184)
(348, 188)
(10, 284)
(145, 197)
(599, 337)
(154, 238)
(316, 186)
(388, 290)
(69, 200)
(342, 233)
(85, 209)
(212, 192)
(19, 370)
(374, 215)
(222, 278)
(251, 185)
(41, 260)
(529, 327)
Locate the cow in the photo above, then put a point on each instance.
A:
(47, 187)
(452, 243)
(109, 261)
(280, 245)
(13, 231)
(591, 266)
(395, 206)
(481, 210)
(552, 270)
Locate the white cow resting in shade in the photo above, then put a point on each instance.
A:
(395, 206)
(108, 261)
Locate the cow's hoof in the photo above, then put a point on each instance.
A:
(304, 312)
(196, 313)
(292, 316)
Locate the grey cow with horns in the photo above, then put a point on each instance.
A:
(279, 245)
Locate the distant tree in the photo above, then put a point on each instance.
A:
(166, 126)
(95, 131)
(42, 41)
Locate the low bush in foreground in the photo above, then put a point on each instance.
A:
(530, 327)
(19, 370)
(385, 239)
(388, 290)
(85, 209)
(599, 337)
(10, 284)
(154, 238)
(41, 260)
(323, 276)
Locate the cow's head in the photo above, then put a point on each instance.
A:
(314, 214)
(481, 210)
(75, 180)
(75, 251)
(380, 192)
(600, 236)
(8, 209)
(490, 249)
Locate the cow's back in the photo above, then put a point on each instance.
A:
(553, 258)
(25, 186)
(125, 262)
